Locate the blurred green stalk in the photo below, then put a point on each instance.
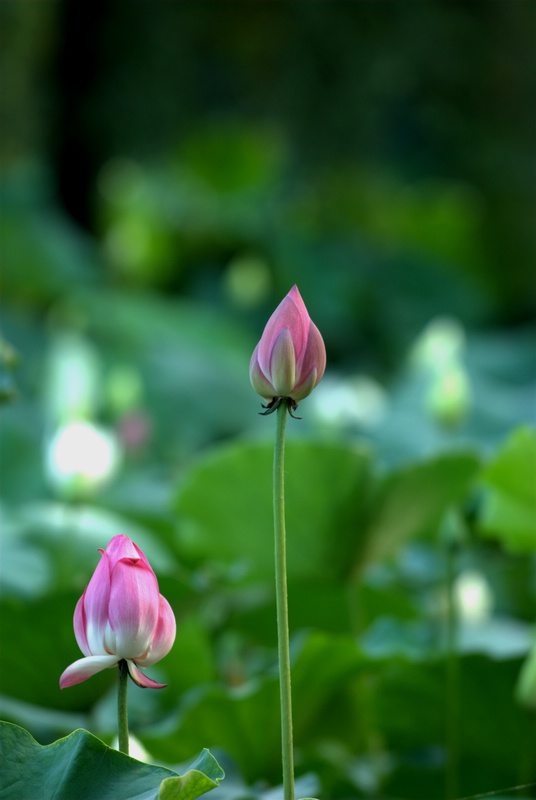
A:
(453, 678)
(282, 604)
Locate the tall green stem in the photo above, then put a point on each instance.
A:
(122, 711)
(282, 603)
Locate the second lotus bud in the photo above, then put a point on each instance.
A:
(290, 358)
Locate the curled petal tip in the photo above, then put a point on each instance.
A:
(141, 679)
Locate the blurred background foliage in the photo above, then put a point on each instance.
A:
(170, 170)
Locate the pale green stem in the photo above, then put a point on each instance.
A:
(122, 710)
(282, 604)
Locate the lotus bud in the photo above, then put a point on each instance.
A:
(290, 358)
(121, 615)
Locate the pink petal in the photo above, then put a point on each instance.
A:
(133, 607)
(141, 555)
(292, 314)
(163, 637)
(110, 640)
(300, 333)
(122, 547)
(306, 387)
(84, 668)
(142, 680)
(314, 357)
(96, 599)
(259, 381)
(80, 626)
(283, 364)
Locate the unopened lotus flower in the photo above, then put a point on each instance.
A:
(290, 358)
(121, 615)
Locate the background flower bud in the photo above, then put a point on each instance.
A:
(290, 358)
(121, 615)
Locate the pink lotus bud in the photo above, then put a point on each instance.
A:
(121, 615)
(290, 358)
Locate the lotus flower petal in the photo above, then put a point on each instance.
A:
(84, 668)
(313, 358)
(291, 314)
(133, 610)
(260, 383)
(80, 626)
(96, 601)
(283, 364)
(163, 637)
(142, 680)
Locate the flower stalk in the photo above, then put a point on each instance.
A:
(122, 708)
(282, 604)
